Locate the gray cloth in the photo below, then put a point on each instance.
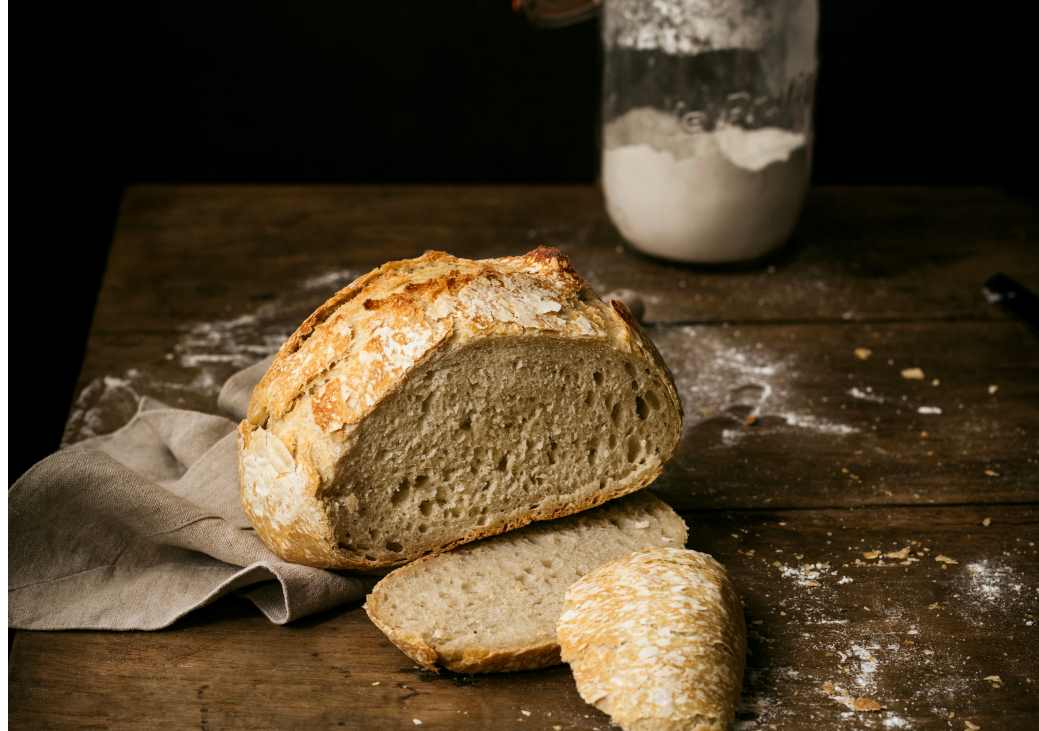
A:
(134, 529)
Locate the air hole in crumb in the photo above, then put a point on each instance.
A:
(394, 546)
(401, 493)
(503, 463)
(615, 414)
(425, 404)
(634, 447)
(421, 480)
(612, 440)
(641, 409)
(652, 399)
(425, 507)
(467, 423)
(546, 562)
(597, 377)
(422, 527)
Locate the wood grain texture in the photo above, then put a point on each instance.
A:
(891, 630)
(827, 428)
(801, 464)
(859, 253)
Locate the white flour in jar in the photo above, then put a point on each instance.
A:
(726, 195)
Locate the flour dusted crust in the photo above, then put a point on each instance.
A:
(360, 346)
(657, 640)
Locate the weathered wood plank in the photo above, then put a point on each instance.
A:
(828, 429)
(917, 635)
(189, 253)
(798, 457)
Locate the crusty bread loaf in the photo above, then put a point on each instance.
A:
(439, 400)
(657, 640)
(492, 605)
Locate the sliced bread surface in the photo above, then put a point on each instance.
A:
(440, 400)
(493, 605)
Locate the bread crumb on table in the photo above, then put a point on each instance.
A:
(863, 353)
(942, 558)
(992, 389)
(417, 721)
(986, 522)
(913, 374)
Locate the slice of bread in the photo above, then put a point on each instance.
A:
(440, 400)
(657, 640)
(492, 606)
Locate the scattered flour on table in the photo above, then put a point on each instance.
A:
(332, 281)
(215, 349)
(716, 376)
(991, 591)
(235, 342)
(866, 395)
(98, 404)
(206, 354)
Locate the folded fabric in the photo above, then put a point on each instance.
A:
(134, 529)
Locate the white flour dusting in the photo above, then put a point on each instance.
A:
(206, 353)
(235, 343)
(806, 574)
(101, 406)
(718, 377)
(991, 591)
(865, 395)
(332, 281)
(216, 349)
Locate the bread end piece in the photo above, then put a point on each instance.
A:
(657, 640)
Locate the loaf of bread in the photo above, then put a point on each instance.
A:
(439, 400)
(493, 605)
(657, 640)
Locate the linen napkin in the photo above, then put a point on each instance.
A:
(134, 529)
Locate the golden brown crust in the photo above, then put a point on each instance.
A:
(657, 640)
(359, 348)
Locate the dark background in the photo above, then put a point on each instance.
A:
(908, 93)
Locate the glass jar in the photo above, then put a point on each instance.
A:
(707, 123)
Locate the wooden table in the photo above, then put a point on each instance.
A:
(884, 551)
